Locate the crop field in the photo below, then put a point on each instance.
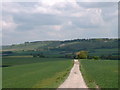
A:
(29, 72)
(49, 54)
(100, 73)
(99, 52)
(19, 60)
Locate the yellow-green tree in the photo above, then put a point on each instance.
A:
(82, 54)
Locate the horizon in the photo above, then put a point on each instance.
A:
(57, 40)
(46, 20)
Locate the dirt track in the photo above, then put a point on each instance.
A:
(75, 79)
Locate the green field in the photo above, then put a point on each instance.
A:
(100, 73)
(95, 47)
(19, 60)
(22, 69)
(99, 52)
(29, 72)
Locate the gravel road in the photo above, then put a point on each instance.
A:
(75, 79)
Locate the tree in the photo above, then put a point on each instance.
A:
(82, 54)
(34, 55)
(38, 55)
(95, 57)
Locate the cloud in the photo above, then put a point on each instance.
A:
(58, 20)
(8, 24)
(29, 22)
(97, 4)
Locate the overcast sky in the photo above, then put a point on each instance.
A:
(46, 20)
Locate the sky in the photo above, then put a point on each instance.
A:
(58, 20)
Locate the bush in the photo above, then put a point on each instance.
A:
(82, 55)
(39, 55)
(95, 57)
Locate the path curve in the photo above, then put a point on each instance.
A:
(75, 79)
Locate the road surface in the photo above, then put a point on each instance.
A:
(75, 79)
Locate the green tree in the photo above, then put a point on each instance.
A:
(82, 54)
(96, 57)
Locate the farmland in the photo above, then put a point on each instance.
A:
(26, 72)
(95, 47)
(46, 64)
(97, 73)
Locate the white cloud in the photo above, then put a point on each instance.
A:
(95, 16)
(45, 10)
(8, 24)
(11, 7)
(69, 23)
(1, 24)
(51, 2)
(57, 27)
(57, 20)
(55, 35)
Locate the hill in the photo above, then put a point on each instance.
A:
(98, 46)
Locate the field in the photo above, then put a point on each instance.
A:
(99, 52)
(43, 64)
(95, 47)
(29, 72)
(100, 73)
(19, 60)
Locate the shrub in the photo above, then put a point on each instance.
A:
(82, 54)
(95, 57)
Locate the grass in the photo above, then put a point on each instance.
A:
(99, 52)
(100, 73)
(19, 60)
(45, 73)
(50, 54)
(27, 46)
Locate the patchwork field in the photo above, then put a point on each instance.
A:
(100, 73)
(29, 72)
